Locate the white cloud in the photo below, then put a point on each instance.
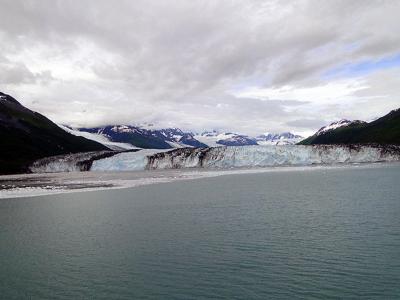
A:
(245, 66)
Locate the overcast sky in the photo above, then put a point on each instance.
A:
(244, 66)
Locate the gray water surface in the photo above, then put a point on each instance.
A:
(319, 234)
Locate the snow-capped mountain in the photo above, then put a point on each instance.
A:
(100, 138)
(176, 137)
(286, 138)
(121, 137)
(336, 125)
(214, 139)
(384, 130)
(146, 137)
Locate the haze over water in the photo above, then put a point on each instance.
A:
(319, 234)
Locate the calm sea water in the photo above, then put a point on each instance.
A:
(320, 234)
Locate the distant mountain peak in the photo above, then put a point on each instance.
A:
(145, 137)
(285, 138)
(215, 138)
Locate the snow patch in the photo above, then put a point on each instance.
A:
(336, 125)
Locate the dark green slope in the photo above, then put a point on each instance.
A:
(385, 130)
(26, 136)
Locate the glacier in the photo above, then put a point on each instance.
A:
(76, 162)
(127, 161)
(102, 139)
(263, 156)
(220, 157)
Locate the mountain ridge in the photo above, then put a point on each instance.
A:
(146, 138)
(168, 138)
(384, 130)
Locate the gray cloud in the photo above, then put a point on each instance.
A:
(16, 73)
(175, 63)
(307, 123)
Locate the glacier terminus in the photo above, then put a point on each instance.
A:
(219, 157)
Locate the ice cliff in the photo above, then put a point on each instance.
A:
(221, 157)
(250, 156)
(76, 162)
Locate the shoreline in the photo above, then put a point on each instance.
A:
(40, 184)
